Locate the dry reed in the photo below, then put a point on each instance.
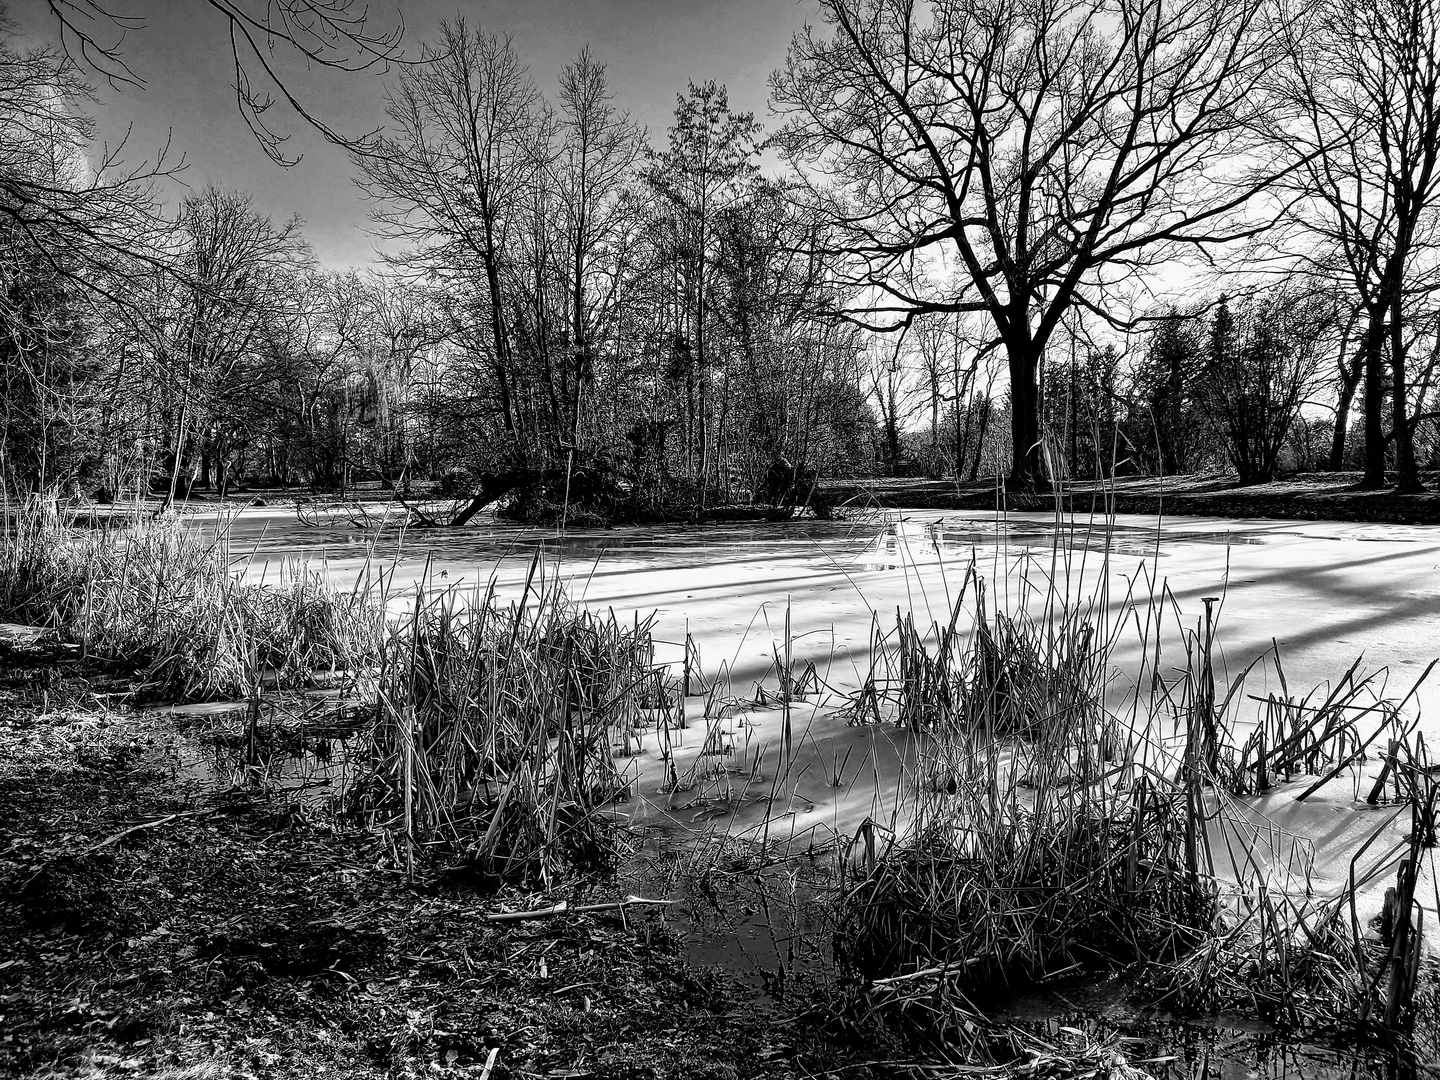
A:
(498, 727)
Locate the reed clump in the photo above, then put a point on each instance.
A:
(1004, 673)
(497, 730)
(1038, 839)
(1009, 894)
(1066, 812)
(168, 600)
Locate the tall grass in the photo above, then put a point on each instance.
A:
(494, 727)
(1039, 840)
(1067, 800)
(169, 600)
(498, 728)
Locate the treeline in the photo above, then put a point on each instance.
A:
(569, 307)
(947, 258)
(1257, 384)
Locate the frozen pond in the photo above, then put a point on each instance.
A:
(1326, 592)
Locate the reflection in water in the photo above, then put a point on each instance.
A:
(1213, 1048)
(768, 927)
(1228, 1054)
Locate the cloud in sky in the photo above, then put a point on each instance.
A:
(652, 47)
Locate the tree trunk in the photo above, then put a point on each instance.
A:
(984, 424)
(1349, 381)
(1408, 474)
(1027, 471)
(500, 338)
(1374, 402)
(179, 452)
(962, 436)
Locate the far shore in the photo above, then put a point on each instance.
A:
(1314, 496)
(1303, 496)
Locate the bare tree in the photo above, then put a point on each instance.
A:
(705, 168)
(599, 149)
(1263, 364)
(894, 396)
(471, 136)
(270, 42)
(223, 323)
(1049, 149)
(93, 223)
(1363, 89)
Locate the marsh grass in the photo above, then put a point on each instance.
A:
(499, 727)
(166, 598)
(1066, 800)
(1061, 811)
(496, 728)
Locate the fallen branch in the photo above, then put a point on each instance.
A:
(117, 837)
(565, 906)
(940, 969)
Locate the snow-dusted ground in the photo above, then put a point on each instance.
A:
(1325, 592)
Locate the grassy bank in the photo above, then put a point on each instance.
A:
(238, 933)
(485, 729)
(169, 601)
(1306, 496)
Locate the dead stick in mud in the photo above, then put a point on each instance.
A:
(939, 969)
(564, 906)
(116, 837)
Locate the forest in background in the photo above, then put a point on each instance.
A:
(947, 259)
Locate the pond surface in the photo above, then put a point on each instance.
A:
(1325, 592)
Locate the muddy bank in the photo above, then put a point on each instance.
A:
(157, 925)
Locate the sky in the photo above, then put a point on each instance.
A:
(651, 47)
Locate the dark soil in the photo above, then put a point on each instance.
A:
(235, 934)
(1308, 496)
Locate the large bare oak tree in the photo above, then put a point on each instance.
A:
(1033, 155)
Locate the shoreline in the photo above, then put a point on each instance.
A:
(1304, 497)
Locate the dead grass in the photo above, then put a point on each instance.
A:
(163, 597)
(498, 727)
(1061, 815)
